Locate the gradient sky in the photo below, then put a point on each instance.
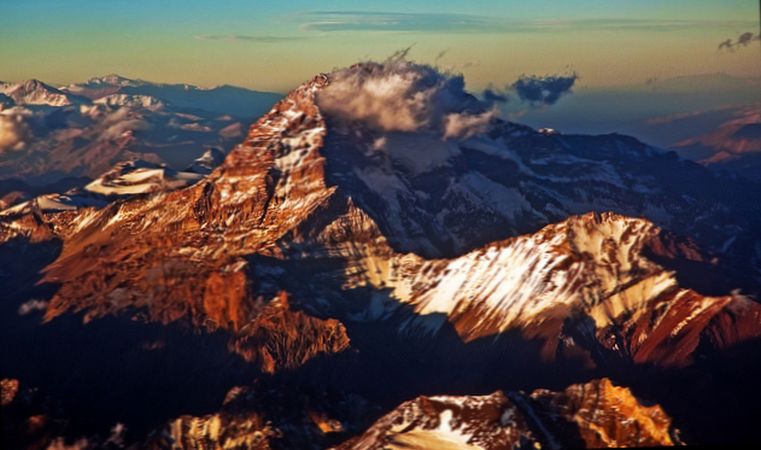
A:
(275, 45)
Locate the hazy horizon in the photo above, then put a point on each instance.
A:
(274, 47)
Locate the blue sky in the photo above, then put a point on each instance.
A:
(275, 45)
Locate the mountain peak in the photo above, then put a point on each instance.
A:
(35, 92)
(112, 79)
(211, 158)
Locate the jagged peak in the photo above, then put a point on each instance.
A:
(112, 79)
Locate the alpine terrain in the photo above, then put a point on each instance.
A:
(382, 261)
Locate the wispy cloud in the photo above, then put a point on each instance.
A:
(329, 21)
(248, 38)
(335, 21)
(743, 40)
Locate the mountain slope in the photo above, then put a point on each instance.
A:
(592, 415)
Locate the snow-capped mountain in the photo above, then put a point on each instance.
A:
(205, 163)
(236, 101)
(35, 92)
(49, 134)
(140, 101)
(381, 233)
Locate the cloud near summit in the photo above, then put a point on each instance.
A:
(399, 95)
(543, 90)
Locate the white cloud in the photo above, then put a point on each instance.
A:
(13, 132)
(462, 126)
(398, 95)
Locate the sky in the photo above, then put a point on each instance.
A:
(276, 45)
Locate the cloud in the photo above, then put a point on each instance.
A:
(743, 40)
(462, 126)
(248, 38)
(390, 21)
(13, 132)
(725, 44)
(532, 89)
(331, 21)
(543, 90)
(399, 95)
(119, 123)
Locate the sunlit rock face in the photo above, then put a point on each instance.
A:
(590, 415)
(217, 431)
(281, 338)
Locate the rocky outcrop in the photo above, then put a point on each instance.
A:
(590, 415)
(216, 432)
(606, 415)
(282, 338)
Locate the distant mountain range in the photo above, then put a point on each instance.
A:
(225, 99)
(48, 134)
(734, 146)
(712, 119)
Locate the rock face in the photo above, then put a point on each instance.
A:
(8, 389)
(607, 415)
(591, 415)
(217, 431)
(280, 338)
(325, 249)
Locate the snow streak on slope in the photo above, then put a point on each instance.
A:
(588, 266)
